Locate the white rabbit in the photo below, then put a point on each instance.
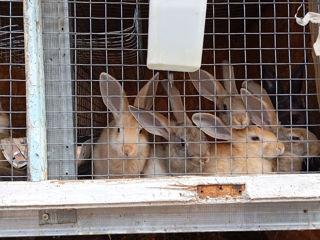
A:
(187, 149)
(228, 100)
(250, 150)
(299, 142)
(122, 148)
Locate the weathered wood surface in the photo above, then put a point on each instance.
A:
(157, 191)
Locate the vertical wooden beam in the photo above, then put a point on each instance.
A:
(60, 131)
(35, 92)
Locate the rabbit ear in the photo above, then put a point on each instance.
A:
(176, 103)
(212, 125)
(144, 99)
(261, 113)
(207, 85)
(154, 123)
(113, 95)
(229, 79)
(296, 79)
(256, 89)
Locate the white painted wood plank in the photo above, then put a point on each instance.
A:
(164, 219)
(35, 91)
(160, 191)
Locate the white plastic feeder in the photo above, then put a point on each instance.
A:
(176, 30)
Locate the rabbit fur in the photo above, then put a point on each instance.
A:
(123, 147)
(187, 149)
(226, 97)
(299, 142)
(251, 149)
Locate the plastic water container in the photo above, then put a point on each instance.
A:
(176, 30)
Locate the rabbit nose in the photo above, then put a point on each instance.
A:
(244, 120)
(241, 121)
(204, 160)
(128, 150)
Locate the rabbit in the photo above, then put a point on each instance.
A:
(187, 150)
(227, 98)
(298, 142)
(123, 147)
(288, 104)
(252, 150)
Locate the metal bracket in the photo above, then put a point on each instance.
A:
(57, 216)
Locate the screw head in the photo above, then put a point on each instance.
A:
(45, 217)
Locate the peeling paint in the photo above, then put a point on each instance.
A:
(35, 91)
(220, 190)
(159, 192)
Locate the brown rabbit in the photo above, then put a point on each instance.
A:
(228, 100)
(123, 147)
(187, 150)
(251, 149)
(299, 142)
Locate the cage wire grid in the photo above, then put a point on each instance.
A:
(12, 93)
(235, 31)
(260, 40)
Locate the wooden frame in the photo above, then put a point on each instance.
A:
(159, 191)
(148, 205)
(177, 204)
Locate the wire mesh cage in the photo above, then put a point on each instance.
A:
(75, 73)
(269, 125)
(13, 152)
(255, 95)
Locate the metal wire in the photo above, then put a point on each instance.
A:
(12, 93)
(259, 39)
(122, 45)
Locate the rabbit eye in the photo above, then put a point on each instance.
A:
(294, 138)
(183, 143)
(118, 130)
(255, 138)
(140, 131)
(225, 107)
